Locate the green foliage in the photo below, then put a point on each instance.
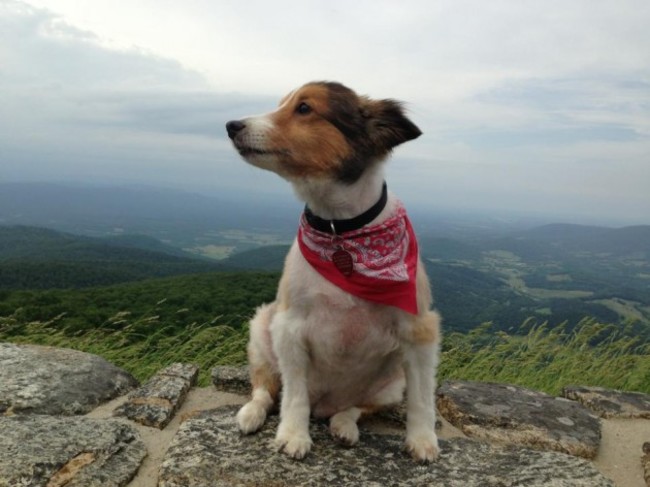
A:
(558, 273)
(547, 359)
(140, 345)
(468, 297)
(267, 258)
(178, 301)
(147, 325)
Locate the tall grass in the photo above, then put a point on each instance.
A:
(547, 359)
(538, 357)
(141, 346)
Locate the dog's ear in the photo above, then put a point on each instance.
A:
(387, 126)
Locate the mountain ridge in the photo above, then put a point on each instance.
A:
(41, 258)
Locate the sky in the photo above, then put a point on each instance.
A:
(538, 107)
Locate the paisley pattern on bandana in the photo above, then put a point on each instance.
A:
(385, 258)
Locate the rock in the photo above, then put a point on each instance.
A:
(395, 415)
(48, 380)
(645, 462)
(189, 372)
(72, 452)
(610, 403)
(231, 379)
(155, 402)
(209, 451)
(511, 414)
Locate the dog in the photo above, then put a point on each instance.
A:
(351, 326)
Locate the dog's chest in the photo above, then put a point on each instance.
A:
(338, 326)
(359, 330)
(334, 324)
(353, 352)
(353, 344)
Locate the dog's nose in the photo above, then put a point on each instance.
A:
(233, 127)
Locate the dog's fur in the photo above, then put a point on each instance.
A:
(332, 354)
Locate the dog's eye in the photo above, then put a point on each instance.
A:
(303, 109)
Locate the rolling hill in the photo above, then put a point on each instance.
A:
(268, 258)
(39, 258)
(168, 215)
(553, 273)
(558, 239)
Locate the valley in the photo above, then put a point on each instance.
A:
(146, 282)
(482, 268)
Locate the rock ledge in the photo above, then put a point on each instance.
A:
(208, 450)
(512, 414)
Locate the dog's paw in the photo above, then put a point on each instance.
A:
(294, 445)
(344, 430)
(251, 417)
(423, 447)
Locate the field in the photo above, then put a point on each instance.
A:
(219, 245)
(557, 273)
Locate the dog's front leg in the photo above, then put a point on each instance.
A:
(293, 360)
(420, 363)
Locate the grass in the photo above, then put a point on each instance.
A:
(547, 359)
(141, 346)
(539, 357)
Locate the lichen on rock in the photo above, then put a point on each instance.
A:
(156, 401)
(512, 414)
(51, 451)
(610, 403)
(209, 450)
(58, 381)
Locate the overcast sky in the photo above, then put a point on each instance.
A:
(540, 106)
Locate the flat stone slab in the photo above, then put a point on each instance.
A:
(231, 379)
(53, 451)
(512, 414)
(48, 380)
(610, 403)
(155, 402)
(209, 451)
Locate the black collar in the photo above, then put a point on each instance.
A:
(338, 227)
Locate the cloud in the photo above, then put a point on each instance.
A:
(40, 51)
(72, 108)
(522, 104)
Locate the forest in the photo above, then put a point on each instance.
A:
(547, 274)
(498, 324)
(178, 301)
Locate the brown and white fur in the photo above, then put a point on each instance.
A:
(332, 354)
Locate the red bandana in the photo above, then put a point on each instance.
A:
(384, 259)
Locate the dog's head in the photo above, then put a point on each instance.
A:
(322, 130)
